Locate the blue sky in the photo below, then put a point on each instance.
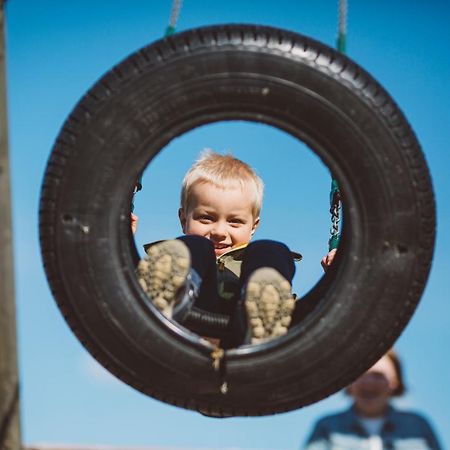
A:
(57, 49)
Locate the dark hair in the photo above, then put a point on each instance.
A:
(401, 388)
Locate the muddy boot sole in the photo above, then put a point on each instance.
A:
(269, 304)
(162, 274)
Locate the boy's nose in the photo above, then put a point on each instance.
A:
(218, 231)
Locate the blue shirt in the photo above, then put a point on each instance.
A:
(401, 430)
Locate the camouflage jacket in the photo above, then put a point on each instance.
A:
(229, 271)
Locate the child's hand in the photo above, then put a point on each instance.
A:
(134, 223)
(328, 259)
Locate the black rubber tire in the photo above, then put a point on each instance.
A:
(259, 74)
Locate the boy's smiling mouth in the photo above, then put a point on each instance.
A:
(221, 248)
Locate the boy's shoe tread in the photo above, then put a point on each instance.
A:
(162, 273)
(269, 304)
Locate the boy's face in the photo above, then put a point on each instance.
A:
(224, 216)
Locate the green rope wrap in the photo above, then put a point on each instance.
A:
(169, 31)
(341, 42)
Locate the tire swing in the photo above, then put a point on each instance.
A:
(252, 73)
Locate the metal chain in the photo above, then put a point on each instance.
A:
(335, 200)
(342, 25)
(335, 219)
(342, 14)
(335, 208)
(174, 15)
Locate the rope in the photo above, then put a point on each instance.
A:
(174, 15)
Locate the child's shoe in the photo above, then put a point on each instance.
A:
(165, 276)
(269, 304)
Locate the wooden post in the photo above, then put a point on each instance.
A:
(9, 379)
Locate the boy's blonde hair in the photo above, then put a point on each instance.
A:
(221, 170)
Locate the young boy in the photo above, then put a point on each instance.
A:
(214, 266)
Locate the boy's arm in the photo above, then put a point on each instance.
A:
(328, 259)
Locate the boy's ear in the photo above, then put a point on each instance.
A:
(182, 217)
(255, 225)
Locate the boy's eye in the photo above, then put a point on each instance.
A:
(236, 221)
(205, 218)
